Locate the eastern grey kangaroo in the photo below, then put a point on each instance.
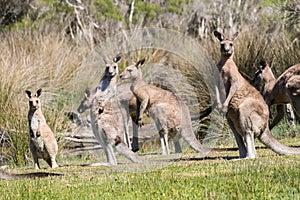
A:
(171, 116)
(106, 116)
(283, 90)
(247, 112)
(42, 141)
(127, 107)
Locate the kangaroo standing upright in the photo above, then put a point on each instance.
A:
(127, 108)
(106, 116)
(283, 90)
(171, 116)
(42, 140)
(247, 112)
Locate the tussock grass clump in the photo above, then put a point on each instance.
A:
(30, 61)
(64, 68)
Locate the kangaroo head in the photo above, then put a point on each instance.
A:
(227, 48)
(87, 101)
(34, 101)
(262, 72)
(133, 71)
(112, 68)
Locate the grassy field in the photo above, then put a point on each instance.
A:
(178, 176)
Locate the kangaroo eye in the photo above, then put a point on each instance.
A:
(115, 67)
(37, 101)
(129, 70)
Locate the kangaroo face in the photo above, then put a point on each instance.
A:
(34, 101)
(260, 73)
(86, 102)
(227, 48)
(112, 68)
(132, 71)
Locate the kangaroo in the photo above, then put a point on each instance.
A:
(42, 141)
(106, 116)
(246, 111)
(127, 107)
(283, 90)
(171, 116)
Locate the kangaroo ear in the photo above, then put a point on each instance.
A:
(234, 36)
(105, 59)
(219, 35)
(140, 63)
(38, 92)
(28, 94)
(117, 58)
(87, 92)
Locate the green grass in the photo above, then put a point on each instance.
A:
(189, 177)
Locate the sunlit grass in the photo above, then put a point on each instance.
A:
(217, 177)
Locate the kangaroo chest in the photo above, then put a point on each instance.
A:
(35, 121)
(228, 76)
(232, 78)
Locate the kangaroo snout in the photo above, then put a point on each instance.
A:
(111, 74)
(79, 110)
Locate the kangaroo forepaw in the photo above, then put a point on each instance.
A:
(140, 123)
(224, 109)
(100, 110)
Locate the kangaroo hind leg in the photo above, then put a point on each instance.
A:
(163, 134)
(35, 157)
(108, 148)
(176, 143)
(239, 140)
(251, 123)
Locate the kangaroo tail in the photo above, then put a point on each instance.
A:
(268, 139)
(187, 132)
(204, 113)
(124, 150)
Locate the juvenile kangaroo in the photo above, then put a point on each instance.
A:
(127, 107)
(171, 116)
(247, 112)
(106, 116)
(42, 141)
(278, 91)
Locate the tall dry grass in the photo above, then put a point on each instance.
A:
(64, 68)
(30, 61)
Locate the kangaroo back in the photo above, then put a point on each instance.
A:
(170, 115)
